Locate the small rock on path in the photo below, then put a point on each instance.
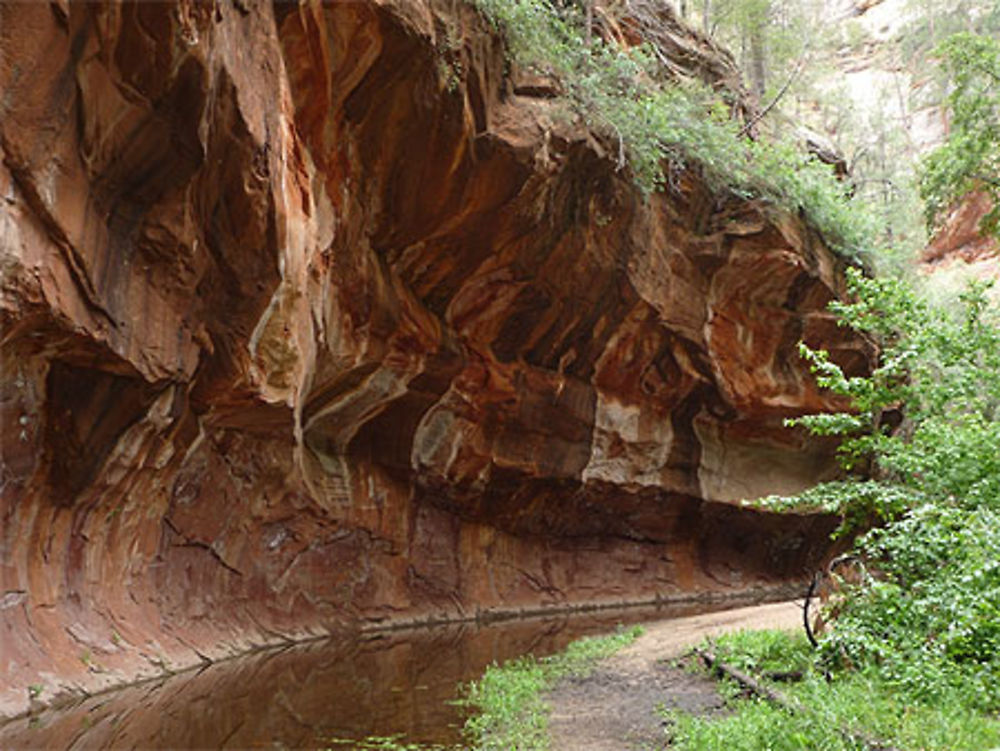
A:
(614, 708)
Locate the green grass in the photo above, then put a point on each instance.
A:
(764, 651)
(859, 703)
(508, 699)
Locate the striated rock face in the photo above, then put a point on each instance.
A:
(313, 316)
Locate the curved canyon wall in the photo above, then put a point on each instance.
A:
(319, 315)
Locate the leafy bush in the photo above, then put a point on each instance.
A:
(859, 502)
(926, 630)
(942, 369)
(930, 626)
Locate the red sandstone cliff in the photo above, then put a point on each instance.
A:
(959, 243)
(312, 317)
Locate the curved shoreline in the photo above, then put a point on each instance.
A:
(702, 601)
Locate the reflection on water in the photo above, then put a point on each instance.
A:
(302, 696)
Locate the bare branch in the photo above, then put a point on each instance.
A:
(777, 97)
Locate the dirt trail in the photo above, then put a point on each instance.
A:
(614, 708)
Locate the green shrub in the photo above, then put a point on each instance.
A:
(929, 626)
(932, 626)
(925, 631)
(941, 368)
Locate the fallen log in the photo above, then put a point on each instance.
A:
(777, 698)
(748, 683)
(784, 676)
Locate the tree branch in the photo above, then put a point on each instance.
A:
(777, 97)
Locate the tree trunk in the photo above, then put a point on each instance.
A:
(758, 81)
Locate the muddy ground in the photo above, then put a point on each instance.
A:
(614, 708)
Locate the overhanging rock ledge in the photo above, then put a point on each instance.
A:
(313, 317)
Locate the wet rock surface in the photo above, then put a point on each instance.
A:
(311, 320)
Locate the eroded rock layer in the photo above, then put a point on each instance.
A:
(960, 240)
(315, 315)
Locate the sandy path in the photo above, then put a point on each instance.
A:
(614, 708)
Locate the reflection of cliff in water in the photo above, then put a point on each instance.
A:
(305, 695)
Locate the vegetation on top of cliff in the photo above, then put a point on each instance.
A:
(866, 77)
(660, 126)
